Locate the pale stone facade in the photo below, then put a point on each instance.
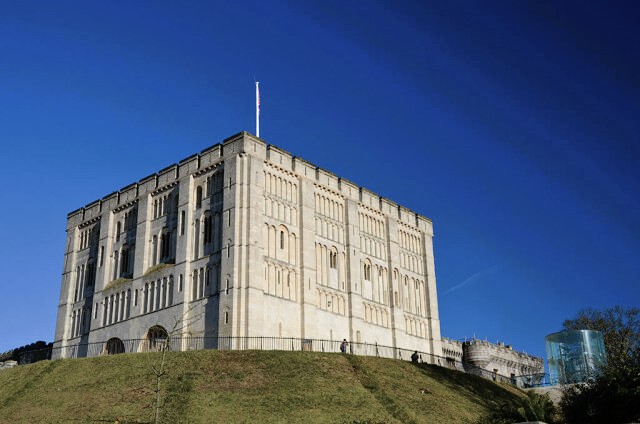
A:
(497, 359)
(245, 240)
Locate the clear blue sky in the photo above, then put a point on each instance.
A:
(514, 126)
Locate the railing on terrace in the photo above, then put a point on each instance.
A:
(535, 380)
(115, 346)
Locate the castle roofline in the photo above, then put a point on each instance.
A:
(402, 213)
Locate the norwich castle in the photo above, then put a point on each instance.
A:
(245, 240)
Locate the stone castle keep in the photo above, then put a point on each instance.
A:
(245, 240)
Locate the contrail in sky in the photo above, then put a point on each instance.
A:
(472, 278)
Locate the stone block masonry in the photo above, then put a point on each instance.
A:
(245, 240)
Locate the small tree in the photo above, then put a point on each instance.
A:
(159, 368)
(620, 330)
(535, 407)
(614, 395)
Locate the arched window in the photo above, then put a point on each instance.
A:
(207, 229)
(154, 250)
(114, 346)
(118, 230)
(333, 259)
(124, 261)
(165, 246)
(156, 339)
(116, 259)
(367, 271)
(196, 240)
(198, 197)
(281, 239)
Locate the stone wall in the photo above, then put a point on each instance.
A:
(8, 364)
(245, 240)
(496, 358)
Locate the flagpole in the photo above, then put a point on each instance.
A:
(257, 110)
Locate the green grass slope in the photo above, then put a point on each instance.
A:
(210, 386)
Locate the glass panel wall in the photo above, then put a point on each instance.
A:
(574, 355)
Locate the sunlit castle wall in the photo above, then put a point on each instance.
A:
(496, 358)
(245, 240)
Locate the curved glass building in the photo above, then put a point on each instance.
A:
(574, 355)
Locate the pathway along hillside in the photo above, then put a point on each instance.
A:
(209, 386)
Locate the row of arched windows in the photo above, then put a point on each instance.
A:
(117, 307)
(163, 247)
(157, 294)
(205, 281)
(155, 340)
(80, 321)
(164, 205)
(280, 187)
(372, 247)
(280, 211)
(280, 244)
(130, 220)
(85, 279)
(329, 207)
(330, 301)
(411, 262)
(375, 282)
(415, 327)
(410, 242)
(372, 226)
(212, 189)
(329, 229)
(330, 267)
(375, 314)
(89, 236)
(208, 234)
(452, 353)
(280, 280)
(123, 262)
(412, 293)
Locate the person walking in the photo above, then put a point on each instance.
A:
(343, 346)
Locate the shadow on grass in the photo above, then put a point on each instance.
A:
(481, 390)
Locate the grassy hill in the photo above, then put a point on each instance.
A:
(210, 386)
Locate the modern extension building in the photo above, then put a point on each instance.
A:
(245, 240)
